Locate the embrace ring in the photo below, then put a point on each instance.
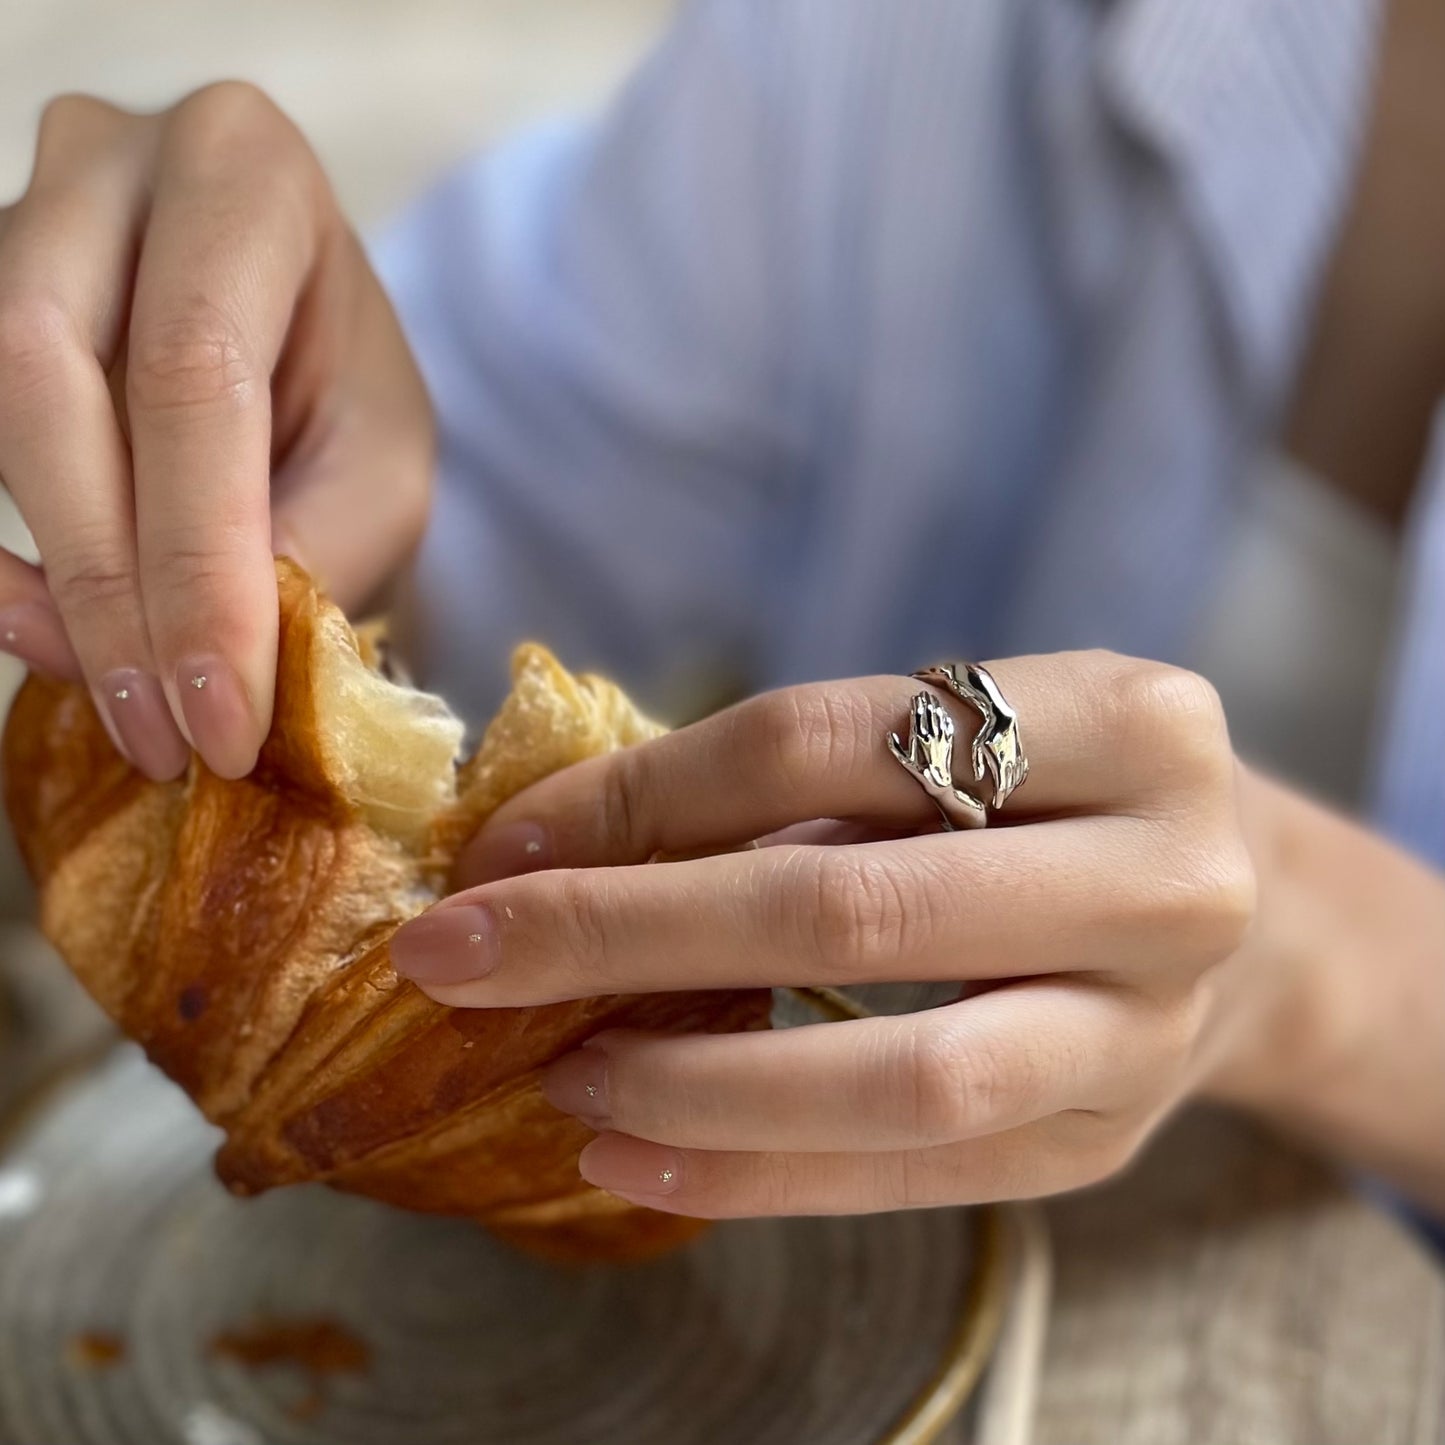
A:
(996, 752)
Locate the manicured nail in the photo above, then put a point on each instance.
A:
(506, 851)
(631, 1167)
(218, 715)
(577, 1084)
(141, 723)
(447, 945)
(32, 632)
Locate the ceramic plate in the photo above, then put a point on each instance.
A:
(141, 1305)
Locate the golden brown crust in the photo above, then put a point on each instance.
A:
(239, 931)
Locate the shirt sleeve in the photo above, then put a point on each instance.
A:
(600, 309)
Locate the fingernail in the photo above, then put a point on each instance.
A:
(577, 1084)
(447, 945)
(218, 714)
(632, 1167)
(506, 851)
(32, 632)
(141, 723)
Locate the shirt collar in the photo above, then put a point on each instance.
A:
(1258, 108)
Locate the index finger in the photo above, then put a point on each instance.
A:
(231, 242)
(1079, 895)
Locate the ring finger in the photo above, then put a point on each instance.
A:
(818, 751)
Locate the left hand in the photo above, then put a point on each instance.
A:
(1096, 924)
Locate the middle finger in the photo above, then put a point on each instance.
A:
(1059, 896)
(230, 245)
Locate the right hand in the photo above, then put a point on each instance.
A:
(198, 369)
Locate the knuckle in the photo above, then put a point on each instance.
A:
(1226, 897)
(90, 580)
(193, 360)
(805, 733)
(233, 127)
(859, 923)
(70, 114)
(906, 1181)
(79, 137)
(776, 729)
(36, 332)
(218, 112)
(777, 1186)
(188, 573)
(927, 1177)
(953, 1086)
(917, 1177)
(619, 800)
(973, 1084)
(60, 111)
(580, 959)
(1198, 903)
(1173, 717)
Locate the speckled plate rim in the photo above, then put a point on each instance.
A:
(937, 1405)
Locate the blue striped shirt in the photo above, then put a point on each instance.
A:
(855, 332)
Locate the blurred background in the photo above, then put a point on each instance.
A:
(387, 92)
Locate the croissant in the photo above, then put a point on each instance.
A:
(239, 931)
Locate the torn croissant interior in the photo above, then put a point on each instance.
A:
(239, 931)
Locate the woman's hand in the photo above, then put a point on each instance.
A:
(197, 369)
(1095, 927)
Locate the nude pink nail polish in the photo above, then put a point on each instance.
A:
(631, 1167)
(32, 631)
(577, 1085)
(141, 723)
(218, 714)
(456, 944)
(505, 852)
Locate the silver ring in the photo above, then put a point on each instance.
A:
(997, 750)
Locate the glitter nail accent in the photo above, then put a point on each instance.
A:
(122, 694)
(198, 681)
(9, 634)
(591, 1090)
(507, 909)
(665, 1176)
(533, 847)
(474, 938)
